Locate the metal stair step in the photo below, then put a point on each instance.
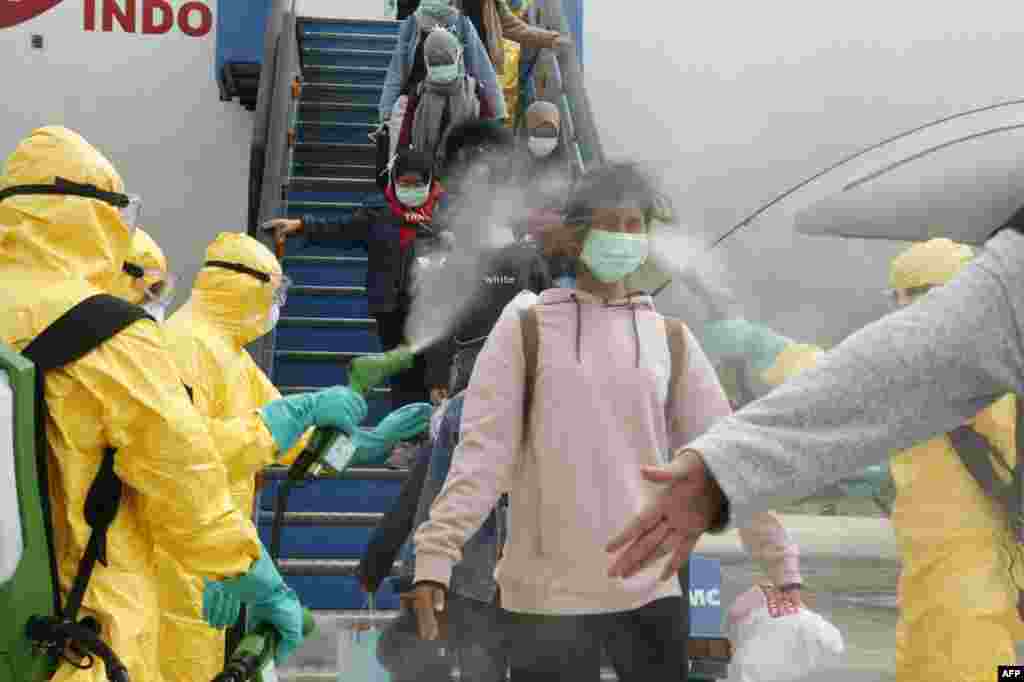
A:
(324, 209)
(326, 270)
(356, 335)
(327, 301)
(366, 171)
(362, 490)
(326, 519)
(318, 91)
(385, 27)
(360, 185)
(338, 112)
(327, 131)
(333, 152)
(319, 542)
(361, 474)
(379, 392)
(332, 56)
(321, 368)
(346, 74)
(348, 41)
(322, 567)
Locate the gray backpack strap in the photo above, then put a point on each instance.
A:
(531, 338)
(978, 455)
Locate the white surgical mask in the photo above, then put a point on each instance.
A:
(542, 146)
(443, 73)
(157, 310)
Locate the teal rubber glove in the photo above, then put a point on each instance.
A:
(268, 600)
(757, 344)
(220, 608)
(869, 483)
(288, 418)
(374, 446)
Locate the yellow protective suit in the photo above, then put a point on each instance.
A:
(958, 597)
(510, 81)
(207, 336)
(148, 255)
(55, 251)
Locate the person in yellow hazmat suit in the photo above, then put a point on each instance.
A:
(145, 279)
(67, 228)
(961, 566)
(64, 235)
(229, 307)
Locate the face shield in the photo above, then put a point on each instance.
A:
(129, 205)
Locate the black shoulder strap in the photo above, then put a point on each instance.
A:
(74, 334)
(979, 457)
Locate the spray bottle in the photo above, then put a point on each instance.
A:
(330, 450)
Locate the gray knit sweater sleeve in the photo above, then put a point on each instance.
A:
(916, 373)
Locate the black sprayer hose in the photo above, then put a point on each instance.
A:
(85, 638)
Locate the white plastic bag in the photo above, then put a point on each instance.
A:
(772, 644)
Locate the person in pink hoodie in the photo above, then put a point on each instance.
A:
(604, 401)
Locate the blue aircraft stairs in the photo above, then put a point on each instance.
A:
(326, 322)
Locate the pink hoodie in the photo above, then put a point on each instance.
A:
(598, 414)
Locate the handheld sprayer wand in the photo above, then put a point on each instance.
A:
(332, 449)
(257, 649)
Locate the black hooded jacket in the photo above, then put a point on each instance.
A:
(503, 274)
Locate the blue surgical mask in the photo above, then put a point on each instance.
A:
(412, 196)
(612, 256)
(445, 73)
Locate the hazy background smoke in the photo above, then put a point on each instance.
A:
(735, 103)
(483, 216)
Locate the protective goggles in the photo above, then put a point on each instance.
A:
(159, 285)
(280, 282)
(129, 205)
(913, 293)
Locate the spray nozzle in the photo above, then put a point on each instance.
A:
(369, 371)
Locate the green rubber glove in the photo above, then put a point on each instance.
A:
(757, 344)
(374, 446)
(288, 418)
(268, 600)
(220, 608)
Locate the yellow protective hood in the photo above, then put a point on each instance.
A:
(146, 254)
(930, 263)
(63, 237)
(235, 302)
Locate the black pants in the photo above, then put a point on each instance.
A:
(411, 385)
(476, 644)
(644, 645)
